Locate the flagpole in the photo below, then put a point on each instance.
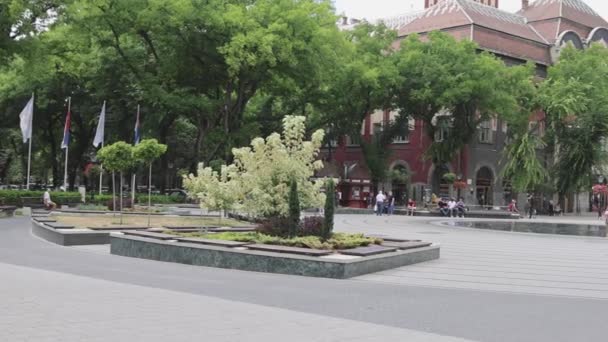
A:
(134, 174)
(100, 173)
(29, 153)
(67, 148)
(29, 163)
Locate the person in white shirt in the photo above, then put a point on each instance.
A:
(452, 207)
(46, 200)
(380, 198)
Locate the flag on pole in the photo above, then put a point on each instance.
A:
(100, 126)
(66, 130)
(26, 117)
(137, 128)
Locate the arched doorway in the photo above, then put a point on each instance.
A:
(483, 185)
(400, 179)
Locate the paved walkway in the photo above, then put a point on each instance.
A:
(65, 307)
(499, 261)
(488, 286)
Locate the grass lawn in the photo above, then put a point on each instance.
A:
(108, 220)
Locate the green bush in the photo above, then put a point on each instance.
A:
(328, 225)
(159, 199)
(337, 240)
(14, 197)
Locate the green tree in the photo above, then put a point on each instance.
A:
(117, 157)
(451, 87)
(294, 208)
(146, 152)
(573, 98)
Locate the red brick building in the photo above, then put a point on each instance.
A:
(535, 33)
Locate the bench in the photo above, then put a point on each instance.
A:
(368, 250)
(289, 250)
(212, 242)
(8, 210)
(159, 236)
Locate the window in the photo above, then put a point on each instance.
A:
(404, 137)
(441, 134)
(377, 128)
(486, 135)
(353, 141)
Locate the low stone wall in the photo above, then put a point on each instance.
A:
(270, 262)
(66, 237)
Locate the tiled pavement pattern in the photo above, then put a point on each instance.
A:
(65, 307)
(497, 261)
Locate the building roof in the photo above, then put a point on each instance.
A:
(453, 13)
(544, 14)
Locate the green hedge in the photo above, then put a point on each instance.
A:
(141, 199)
(14, 197)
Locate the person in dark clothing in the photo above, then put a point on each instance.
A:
(443, 208)
(531, 205)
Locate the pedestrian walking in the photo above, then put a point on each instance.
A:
(390, 202)
(380, 199)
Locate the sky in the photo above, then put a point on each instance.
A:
(373, 9)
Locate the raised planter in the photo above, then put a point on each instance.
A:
(241, 258)
(69, 237)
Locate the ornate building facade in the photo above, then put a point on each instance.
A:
(537, 33)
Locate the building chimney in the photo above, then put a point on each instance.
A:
(525, 4)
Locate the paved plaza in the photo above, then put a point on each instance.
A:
(487, 286)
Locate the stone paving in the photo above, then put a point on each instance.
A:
(488, 286)
(498, 261)
(65, 307)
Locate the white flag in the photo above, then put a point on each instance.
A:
(26, 117)
(100, 126)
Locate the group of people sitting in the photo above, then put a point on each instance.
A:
(451, 208)
(386, 204)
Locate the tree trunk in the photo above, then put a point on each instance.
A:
(114, 193)
(121, 197)
(149, 193)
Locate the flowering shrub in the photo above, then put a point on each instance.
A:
(258, 180)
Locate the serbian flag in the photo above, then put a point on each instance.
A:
(66, 130)
(137, 128)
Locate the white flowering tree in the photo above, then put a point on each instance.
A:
(216, 191)
(258, 180)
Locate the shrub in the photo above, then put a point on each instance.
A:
(311, 225)
(126, 203)
(337, 241)
(294, 208)
(277, 226)
(15, 197)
